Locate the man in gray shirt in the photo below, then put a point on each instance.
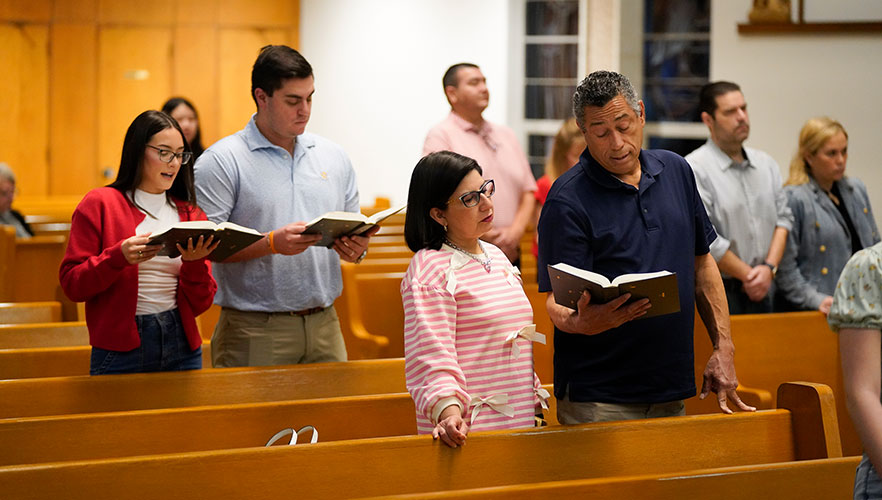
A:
(741, 190)
(277, 295)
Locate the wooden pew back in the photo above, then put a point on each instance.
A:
(822, 479)
(773, 348)
(142, 391)
(383, 466)
(13, 313)
(30, 335)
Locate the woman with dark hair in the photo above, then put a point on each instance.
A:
(185, 114)
(141, 308)
(468, 326)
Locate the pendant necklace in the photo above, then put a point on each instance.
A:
(482, 259)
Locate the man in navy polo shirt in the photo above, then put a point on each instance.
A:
(623, 210)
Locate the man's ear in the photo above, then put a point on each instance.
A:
(450, 92)
(707, 119)
(260, 96)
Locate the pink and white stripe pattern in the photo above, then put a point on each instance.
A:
(458, 320)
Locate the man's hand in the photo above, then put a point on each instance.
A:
(592, 319)
(719, 378)
(290, 240)
(757, 282)
(351, 248)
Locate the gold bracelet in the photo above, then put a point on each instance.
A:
(272, 247)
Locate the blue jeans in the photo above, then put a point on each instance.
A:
(164, 347)
(740, 303)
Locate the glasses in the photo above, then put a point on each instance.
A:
(168, 155)
(472, 198)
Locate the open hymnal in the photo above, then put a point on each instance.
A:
(233, 237)
(568, 283)
(333, 225)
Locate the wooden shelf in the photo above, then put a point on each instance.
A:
(791, 28)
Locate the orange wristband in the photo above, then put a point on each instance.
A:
(272, 247)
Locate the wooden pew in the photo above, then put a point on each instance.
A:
(12, 313)
(30, 335)
(7, 263)
(414, 464)
(821, 479)
(773, 348)
(241, 425)
(41, 362)
(143, 391)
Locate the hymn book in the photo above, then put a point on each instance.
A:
(233, 237)
(333, 225)
(568, 283)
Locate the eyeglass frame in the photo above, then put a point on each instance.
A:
(479, 192)
(180, 156)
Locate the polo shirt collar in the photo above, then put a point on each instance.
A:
(649, 165)
(468, 126)
(721, 159)
(255, 140)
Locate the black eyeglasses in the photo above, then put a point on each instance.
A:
(168, 155)
(472, 198)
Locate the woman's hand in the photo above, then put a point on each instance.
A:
(136, 250)
(451, 428)
(202, 249)
(825, 305)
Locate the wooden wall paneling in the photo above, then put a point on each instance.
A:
(24, 105)
(75, 11)
(73, 123)
(204, 12)
(25, 10)
(195, 75)
(134, 75)
(140, 13)
(264, 13)
(238, 50)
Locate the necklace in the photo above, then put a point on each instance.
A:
(482, 259)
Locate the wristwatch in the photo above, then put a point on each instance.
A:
(361, 257)
(774, 268)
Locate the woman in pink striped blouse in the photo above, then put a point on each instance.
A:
(468, 326)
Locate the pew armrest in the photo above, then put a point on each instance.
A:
(815, 426)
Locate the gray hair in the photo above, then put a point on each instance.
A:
(6, 172)
(598, 89)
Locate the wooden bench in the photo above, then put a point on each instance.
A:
(241, 425)
(414, 464)
(29, 335)
(12, 313)
(143, 391)
(40, 362)
(821, 479)
(773, 348)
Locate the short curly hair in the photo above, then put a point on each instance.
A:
(598, 89)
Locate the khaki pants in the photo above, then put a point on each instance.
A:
(243, 338)
(570, 413)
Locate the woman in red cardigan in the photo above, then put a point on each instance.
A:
(141, 308)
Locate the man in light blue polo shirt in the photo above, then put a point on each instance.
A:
(277, 295)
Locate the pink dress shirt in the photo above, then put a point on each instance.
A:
(497, 151)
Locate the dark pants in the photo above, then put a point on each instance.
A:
(740, 303)
(164, 347)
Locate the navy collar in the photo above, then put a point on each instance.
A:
(650, 168)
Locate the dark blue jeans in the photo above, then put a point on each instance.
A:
(164, 347)
(740, 303)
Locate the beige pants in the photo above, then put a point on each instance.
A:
(243, 338)
(570, 413)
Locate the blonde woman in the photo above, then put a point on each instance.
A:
(568, 145)
(832, 218)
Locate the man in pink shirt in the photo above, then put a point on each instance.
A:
(495, 148)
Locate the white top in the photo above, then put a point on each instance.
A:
(158, 277)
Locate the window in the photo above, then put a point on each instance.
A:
(547, 65)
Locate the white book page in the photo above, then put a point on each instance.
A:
(587, 275)
(237, 227)
(349, 216)
(379, 216)
(628, 278)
